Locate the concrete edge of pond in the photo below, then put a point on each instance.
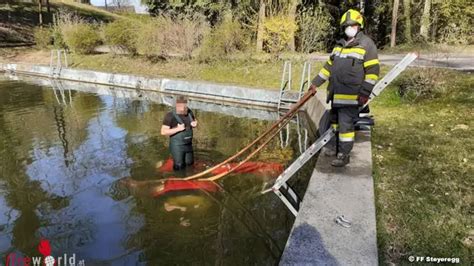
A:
(158, 97)
(198, 89)
(316, 239)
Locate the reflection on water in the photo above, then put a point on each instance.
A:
(64, 156)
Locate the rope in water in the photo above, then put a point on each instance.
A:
(278, 125)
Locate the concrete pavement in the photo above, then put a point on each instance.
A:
(315, 238)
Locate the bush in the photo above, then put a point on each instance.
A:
(148, 39)
(227, 38)
(58, 40)
(278, 32)
(454, 22)
(167, 36)
(316, 29)
(424, 84)
(81, 38)
(121, 34)
(43, 37)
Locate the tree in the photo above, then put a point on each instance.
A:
(40, 12)
(425, 20)
(260, 26)
(120, 3)
(407, 15)
(292, 14)
(393, 34)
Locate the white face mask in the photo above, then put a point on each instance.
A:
(350, 31)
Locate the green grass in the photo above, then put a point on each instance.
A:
(423, 170)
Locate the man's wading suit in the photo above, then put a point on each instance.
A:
(181, 146)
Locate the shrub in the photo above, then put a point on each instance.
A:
(278, 32)
(226, 38)
(62, 19)
(454, 21)
(167, 36)
(43, 37)
(316, 29)
(148, 39)
(120, 33)
(81, 38)
(58, 40)
(423, 84)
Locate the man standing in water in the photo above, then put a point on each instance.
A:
(178, 125)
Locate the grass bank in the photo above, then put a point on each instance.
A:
(423, 170)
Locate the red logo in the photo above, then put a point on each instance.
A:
(44, 247)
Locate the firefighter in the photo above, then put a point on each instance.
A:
(352, 70)
(178, 125)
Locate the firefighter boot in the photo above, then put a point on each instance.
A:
(341, 160)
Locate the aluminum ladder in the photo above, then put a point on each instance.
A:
(56, 62)
(286, 99)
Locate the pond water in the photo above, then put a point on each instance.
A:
(67, 159)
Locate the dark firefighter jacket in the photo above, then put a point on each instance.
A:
(352, 69)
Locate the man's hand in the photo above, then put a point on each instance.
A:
(312, 89)
(363, 99)
(180, 128)
(194, 123)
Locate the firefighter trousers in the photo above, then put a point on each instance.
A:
(342, 120)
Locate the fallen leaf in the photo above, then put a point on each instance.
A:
(461, 126)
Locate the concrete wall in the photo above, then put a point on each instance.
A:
(153, 96)
(197, 89)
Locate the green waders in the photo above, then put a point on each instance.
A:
(181, 145)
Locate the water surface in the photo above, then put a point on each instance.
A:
(64, 153)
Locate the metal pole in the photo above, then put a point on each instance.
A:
(65, 59)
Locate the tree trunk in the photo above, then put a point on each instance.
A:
(105, 4)
(260, 27)
(292, 16)
(40, 12)
(407, 15)
(393, 34)
(425, 20)
(48, 7)
(362, 6)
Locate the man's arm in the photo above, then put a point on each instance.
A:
(194, 122)
(371, 69)
(167, 131)
(324, 73)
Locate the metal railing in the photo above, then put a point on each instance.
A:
(57, 57)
